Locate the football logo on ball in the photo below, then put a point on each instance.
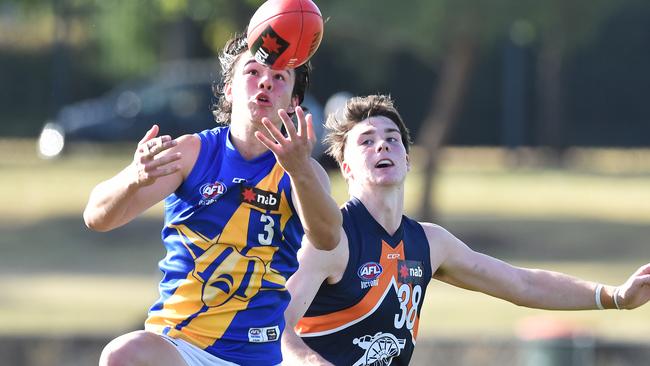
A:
(285, 33)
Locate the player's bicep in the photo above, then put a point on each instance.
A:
(188, 147)
(463, 267)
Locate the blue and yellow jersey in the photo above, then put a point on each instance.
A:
(371, 316)
(231, 234)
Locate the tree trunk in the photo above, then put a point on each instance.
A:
(445, 104)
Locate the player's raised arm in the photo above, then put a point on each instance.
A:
(157, 169)
(319, 214)
(534, 288)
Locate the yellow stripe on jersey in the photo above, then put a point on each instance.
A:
(221, 291)
(272, 180)
(235, 232)
(272, 275)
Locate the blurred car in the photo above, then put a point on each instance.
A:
(179, 100)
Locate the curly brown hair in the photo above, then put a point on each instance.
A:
(356, 110)
(228, 57)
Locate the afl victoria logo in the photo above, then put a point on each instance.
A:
(213, 190)
(210, 192)
(369, 271)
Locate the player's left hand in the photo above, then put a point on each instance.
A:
(293, 152)
(636, 290)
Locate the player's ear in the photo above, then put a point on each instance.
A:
(346, 171)
(227, 91)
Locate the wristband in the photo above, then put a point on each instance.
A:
(616, 298)
(599, 304)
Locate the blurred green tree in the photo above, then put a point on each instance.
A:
(123, 38)
(449, 35)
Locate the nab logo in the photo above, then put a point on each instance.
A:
(210, 192)
(410, 272)
(260, 198)
(415, 272)
(369, 271)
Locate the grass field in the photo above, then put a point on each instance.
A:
(592, 220)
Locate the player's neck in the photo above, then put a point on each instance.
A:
(385, 204)
(242, 136)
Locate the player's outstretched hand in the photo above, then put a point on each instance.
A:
(636, 290)
(152, 159)
(293, 151)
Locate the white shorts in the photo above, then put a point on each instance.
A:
(193, 355)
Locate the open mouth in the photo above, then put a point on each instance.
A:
(384, 163)
(263, 98)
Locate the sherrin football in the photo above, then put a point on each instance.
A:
(285, 33)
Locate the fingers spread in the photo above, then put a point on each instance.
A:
(273, 130)
(300, 116)
(288, 123)
(155, 146)
(311, 134)
(161, 144)
(162, 161)
(270, 144)
(153, 131)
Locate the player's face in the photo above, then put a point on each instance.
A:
(374, 153)
(258, 91)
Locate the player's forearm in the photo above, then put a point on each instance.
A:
(296, 352)
(320, 216)
(558, 291)
(109, 202)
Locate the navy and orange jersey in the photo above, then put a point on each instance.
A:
(231, 234)
(370, 317)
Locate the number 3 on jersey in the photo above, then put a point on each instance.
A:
(407, 313)
(266, 237)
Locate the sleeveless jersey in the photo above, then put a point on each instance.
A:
(231, 235)
(370, 317)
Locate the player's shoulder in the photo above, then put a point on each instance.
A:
(190, 141)
(209, 141)
(435, 233)
(433, 229)
(189, 147)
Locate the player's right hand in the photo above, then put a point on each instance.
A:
(293, 152)
(153, 158)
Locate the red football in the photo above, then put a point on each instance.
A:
(285, 33)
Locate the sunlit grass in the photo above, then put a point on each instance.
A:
(543, 194)
(35, 188)
(470, 183)
(61, 303)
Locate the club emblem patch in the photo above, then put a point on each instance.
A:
(369, 274)
(210, 192)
